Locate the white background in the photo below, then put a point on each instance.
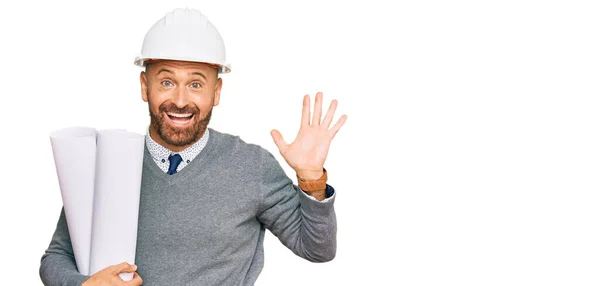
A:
(470, 155)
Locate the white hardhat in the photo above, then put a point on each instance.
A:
(184, 35)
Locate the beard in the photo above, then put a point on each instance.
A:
(178, 136)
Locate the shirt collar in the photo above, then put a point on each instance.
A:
(160, 153)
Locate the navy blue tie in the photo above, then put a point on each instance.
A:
(174, 160)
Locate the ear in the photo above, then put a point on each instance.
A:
(218, 92)
(144, 85)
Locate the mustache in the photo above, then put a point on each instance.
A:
(172, 108)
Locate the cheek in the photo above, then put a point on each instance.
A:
(204, 101)
(203, 104)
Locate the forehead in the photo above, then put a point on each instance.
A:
(180, 67)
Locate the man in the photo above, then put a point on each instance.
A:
(207, 197)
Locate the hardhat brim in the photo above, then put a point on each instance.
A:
(223, 67)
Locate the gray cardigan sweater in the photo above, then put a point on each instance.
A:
(205, 225)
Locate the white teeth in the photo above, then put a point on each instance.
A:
(180, 115)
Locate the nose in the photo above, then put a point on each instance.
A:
(180, 97)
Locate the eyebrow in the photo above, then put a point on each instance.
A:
(163, 70)
(200, 74)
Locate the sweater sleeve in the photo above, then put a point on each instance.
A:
(58, 265)
(307, 227)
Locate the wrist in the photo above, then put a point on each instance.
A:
(319, 195)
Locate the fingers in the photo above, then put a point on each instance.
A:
(316, 120)
(329, 116)
(136, 281)
(278, 139)
(124, 267)
(337, 125)
(305, 121)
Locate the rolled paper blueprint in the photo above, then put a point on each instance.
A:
(74, 151)
(119, 160)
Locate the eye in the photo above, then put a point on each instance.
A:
(167, 83)
(196, 85)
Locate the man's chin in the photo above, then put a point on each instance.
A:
(179, 137)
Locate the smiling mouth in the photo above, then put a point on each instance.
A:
(180, 118)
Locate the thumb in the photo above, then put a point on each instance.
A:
(124, 267)
(281, 144)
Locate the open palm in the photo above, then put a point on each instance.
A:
(307, 153)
